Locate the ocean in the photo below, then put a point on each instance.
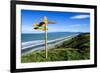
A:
(26, 37)
(37, 40)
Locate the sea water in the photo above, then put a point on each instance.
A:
(25, 37)
(35, 39)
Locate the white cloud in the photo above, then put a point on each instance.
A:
(80, 17)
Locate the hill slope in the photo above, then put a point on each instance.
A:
(81, 41)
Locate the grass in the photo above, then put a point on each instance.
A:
(61, 54)
(77, 48)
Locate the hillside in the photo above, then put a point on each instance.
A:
(77, 48)
(81, 41)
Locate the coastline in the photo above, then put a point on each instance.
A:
(28, 47)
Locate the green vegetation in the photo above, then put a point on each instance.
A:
(81, 41)
(77, 48)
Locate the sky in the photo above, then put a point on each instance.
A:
(65, 21)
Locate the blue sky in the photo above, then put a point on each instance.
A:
(65, 21)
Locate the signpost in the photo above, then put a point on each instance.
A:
(43, 26)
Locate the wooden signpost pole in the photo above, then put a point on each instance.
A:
(46, 51)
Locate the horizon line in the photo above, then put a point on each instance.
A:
(54, 32)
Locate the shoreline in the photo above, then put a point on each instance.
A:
(40, 46)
